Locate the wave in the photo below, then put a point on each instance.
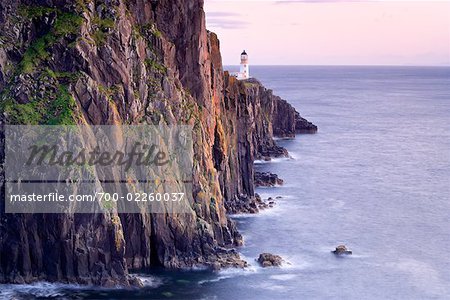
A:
(149, 281)
(275, 210)
(275, 160)
(38, 290)
(277, 138)
(283, 277)
(231, 273)
(45, 289)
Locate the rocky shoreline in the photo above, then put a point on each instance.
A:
(122, 62)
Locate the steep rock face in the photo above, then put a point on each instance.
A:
(251, 116)
(132, 62)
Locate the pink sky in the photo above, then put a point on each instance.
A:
(327, 32)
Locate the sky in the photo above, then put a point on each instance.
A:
(332, 32)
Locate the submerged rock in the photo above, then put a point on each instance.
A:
(342, 250)
(269, 260)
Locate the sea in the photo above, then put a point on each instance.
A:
(376, 177)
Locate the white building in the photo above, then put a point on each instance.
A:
(244, 72)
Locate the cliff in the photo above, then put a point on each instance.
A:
(132, 62)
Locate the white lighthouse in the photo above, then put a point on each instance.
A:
(244, 72)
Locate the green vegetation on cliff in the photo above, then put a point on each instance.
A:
(102, 28)
(44, 93)
(65, 24)
(60, 111)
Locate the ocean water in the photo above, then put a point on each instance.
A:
(376, 177)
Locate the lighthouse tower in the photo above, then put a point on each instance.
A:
(244, 73)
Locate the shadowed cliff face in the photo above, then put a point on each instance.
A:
(132, 62)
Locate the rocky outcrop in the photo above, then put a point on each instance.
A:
(304, 126)
(287, 121)
(342, 250)
(269, 260)
(267, 179)
(132, 62)
(266, 153)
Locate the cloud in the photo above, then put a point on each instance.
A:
(225, 20)
(226, 24)
(318, 1)
(215, 14)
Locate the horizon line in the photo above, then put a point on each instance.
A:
(337, 65)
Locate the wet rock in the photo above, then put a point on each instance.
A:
(269, 260)
(267, 179)
(266, 152)
(342, 250)
(238, 240)
(263, 205)
(225, 258)
(243, 204)
(136, 282)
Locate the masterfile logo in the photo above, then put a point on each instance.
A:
(87, 169)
